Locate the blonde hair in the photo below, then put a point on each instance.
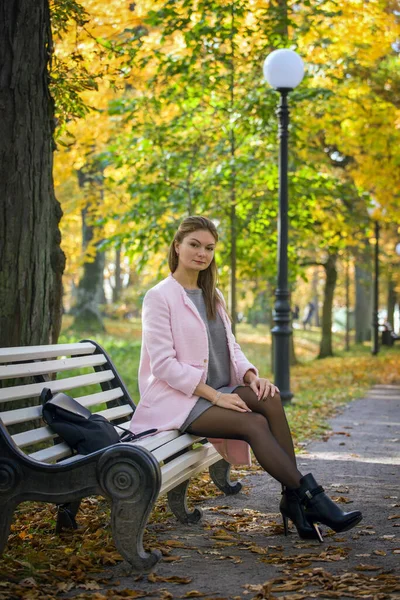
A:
(207, 280)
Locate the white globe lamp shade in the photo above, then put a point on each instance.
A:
(283, 69)
(398, 249)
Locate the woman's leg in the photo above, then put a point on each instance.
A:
(274, 412)
(255, 430)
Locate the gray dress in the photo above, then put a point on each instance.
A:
(218, 361)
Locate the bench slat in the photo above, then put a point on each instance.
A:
(60, 385)
(158, 439)
(52, 454)
(211, 458)
(117, 412)
(21, 415)
(183, 441)
(152, 442)
(31, 413)
(21, 353)
(34, 436)
(51, 366)
(174, 468)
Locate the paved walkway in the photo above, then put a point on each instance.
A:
(240, 541)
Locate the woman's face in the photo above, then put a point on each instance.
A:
(196, 250)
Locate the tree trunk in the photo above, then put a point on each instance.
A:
(116, 293)
(315, 298)
(283, 18)
(31, 260)
(90, 293)
(325, 348)
(391, 300)
(363, 308)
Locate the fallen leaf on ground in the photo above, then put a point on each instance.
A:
(169, 559)
(153, 578)
(341, 499)
(258, 550)
(174, 544)
(224, 537)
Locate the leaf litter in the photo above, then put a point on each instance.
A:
(39, 565)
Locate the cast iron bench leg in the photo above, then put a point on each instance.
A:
(129, 475)
(132, 480)
(6, 515)
(220, 474)
(177, 503)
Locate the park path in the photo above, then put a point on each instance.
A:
(240, 543)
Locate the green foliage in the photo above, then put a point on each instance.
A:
(69, 76)
(65, 11)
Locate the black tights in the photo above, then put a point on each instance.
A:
(265, 429)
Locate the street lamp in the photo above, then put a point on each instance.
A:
(374, 214)
(283, 70)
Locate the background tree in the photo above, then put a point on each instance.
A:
(31, 260)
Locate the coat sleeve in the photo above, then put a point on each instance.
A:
(158, 339)
(242, 364)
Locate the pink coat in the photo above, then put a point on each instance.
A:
(174, 360)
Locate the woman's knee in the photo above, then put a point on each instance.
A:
(246, 394)
(256, 423)
(274, 401)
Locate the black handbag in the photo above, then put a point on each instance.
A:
(82, 430)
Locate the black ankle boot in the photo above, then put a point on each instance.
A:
(292, 509)
(318, 507)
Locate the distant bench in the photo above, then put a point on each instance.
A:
(36, 465)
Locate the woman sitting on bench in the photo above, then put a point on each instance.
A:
(194, 377)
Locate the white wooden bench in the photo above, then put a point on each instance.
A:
(36, 465)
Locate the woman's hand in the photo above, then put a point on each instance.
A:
(262, 387)
(231, 401)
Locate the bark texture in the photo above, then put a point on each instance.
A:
(325, 348)
(90, 292)
(31, 260)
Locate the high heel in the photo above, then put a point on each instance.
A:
(291, 508)
(318, 532)
(318, 507)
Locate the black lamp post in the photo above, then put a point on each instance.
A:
(283, 70)
(375, 211)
